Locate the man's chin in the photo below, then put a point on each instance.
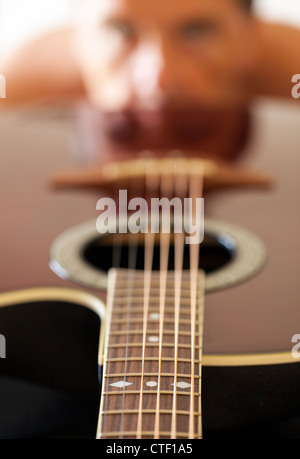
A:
(179, 122)
(217, 132)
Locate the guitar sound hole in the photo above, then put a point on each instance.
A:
(102, 254)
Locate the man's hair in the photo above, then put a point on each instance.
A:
(246, 4)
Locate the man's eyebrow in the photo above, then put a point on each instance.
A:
(201, 22)
(181, 23)
(197, 20)
(115, 19)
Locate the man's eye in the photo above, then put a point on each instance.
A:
(197, 30)
(123, 29)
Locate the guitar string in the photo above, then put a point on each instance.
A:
(118, 245)
(117, 242)
(149, 243)
(181, 187)
(195, 191)
(132, 266)
(166, 190)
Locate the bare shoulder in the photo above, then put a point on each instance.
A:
(43, 68)
(279, 59)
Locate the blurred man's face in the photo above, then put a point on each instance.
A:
(149, 56)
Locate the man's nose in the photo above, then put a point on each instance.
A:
(152, 73)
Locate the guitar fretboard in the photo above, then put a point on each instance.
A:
(152, 361)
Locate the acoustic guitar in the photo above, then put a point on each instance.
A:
(193, 343)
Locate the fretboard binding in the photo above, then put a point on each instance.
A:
(164, 375)
(144, 434)
(148, 392)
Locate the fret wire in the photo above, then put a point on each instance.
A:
(128, 316)
(133, 251)
(166, 345)
(148, 392)
(171, 282)
(132, 261)
(195, 190)
(140, 272)
(138, 374)
(148, 256)
(167, 375)
(144, 434)
(194, 272)
(201, 288)
(179, 248)
(160, 285)
(136, 321)
(151, 374)
(149, 243)
(152, 359)
(140, 332)
(147, 411)
(139, 300)
(159, 374)
(154, 293)
(164, 260)
(117, 250)
(179, 285)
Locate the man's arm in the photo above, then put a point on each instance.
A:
(42, 70)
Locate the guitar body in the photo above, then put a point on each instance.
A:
(250, 378)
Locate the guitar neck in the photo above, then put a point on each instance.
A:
(152, 360)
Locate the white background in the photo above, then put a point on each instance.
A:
(21, 20)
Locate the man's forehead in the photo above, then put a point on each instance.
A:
(106, 8)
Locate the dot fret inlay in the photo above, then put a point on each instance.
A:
(151, 384)
(154, 316)
(153, 339)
